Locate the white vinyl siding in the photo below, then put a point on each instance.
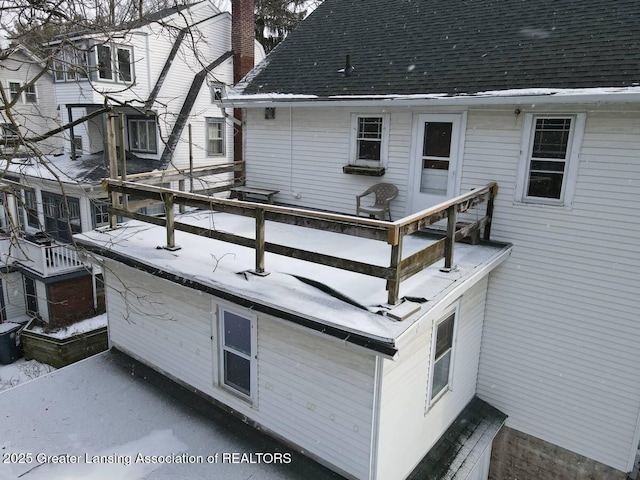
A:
(406, 433)
(14, 299)
(302, 152)
(311, 390)
(559, 355)
(215, 137)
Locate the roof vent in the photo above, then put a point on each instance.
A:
(348, 68)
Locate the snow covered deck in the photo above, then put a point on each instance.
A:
(117, 419)
(313, 294)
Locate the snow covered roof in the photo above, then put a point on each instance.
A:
(86, 169)
(400, 48)
(109, 410)
(291, 290)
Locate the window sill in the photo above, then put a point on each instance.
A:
(361, 170)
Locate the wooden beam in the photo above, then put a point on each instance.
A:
(490, 206)
(422, 259)
(452, 212)
(259, 241)
(395, 265)
(170, 226)
(331, 261)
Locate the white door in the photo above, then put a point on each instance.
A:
(436, 152)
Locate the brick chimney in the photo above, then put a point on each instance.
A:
(242, 38)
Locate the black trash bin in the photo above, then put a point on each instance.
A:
(10, 347)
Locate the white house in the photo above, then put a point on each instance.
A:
(439, 99)
(29, 103)
(300, 341)
(164, 73)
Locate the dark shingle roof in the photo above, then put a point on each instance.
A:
(401, 47)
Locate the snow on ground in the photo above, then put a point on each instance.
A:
(22, 371)
(110, 418)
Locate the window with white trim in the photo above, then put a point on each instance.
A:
(215, 137)
(114, 62)
(14, 90)
(142, 135)
(370, 138)
(71, 64)
(550, 158)
(31, 208)
(442, 350)
(237, 352)
(30, 94)
(100, 211)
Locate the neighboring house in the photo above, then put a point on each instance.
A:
(25, 79)
(164, 73)
(43, 275)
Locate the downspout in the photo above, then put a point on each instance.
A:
(375, 420)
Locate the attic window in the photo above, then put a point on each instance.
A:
(217, 91)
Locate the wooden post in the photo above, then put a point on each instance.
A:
(113, 165)
(452, 215)
(171, 233)
(393, 284)
(260, 241)
(487, 229)
(181, 207)
(123, 158)
(190, 161)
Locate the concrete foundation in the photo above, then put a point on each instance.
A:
(518, 456)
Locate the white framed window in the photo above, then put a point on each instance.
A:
(31, 94)
(215, 137)
(549, 158)
(442, 352)
(142, 134)
(71, 64)
(14, 91)
(369, 139)
(31, 208)
(237, 349)
(100, 211)
(114, 62)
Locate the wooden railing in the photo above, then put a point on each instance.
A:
(392, 233)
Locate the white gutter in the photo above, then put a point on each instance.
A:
(630, 95)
